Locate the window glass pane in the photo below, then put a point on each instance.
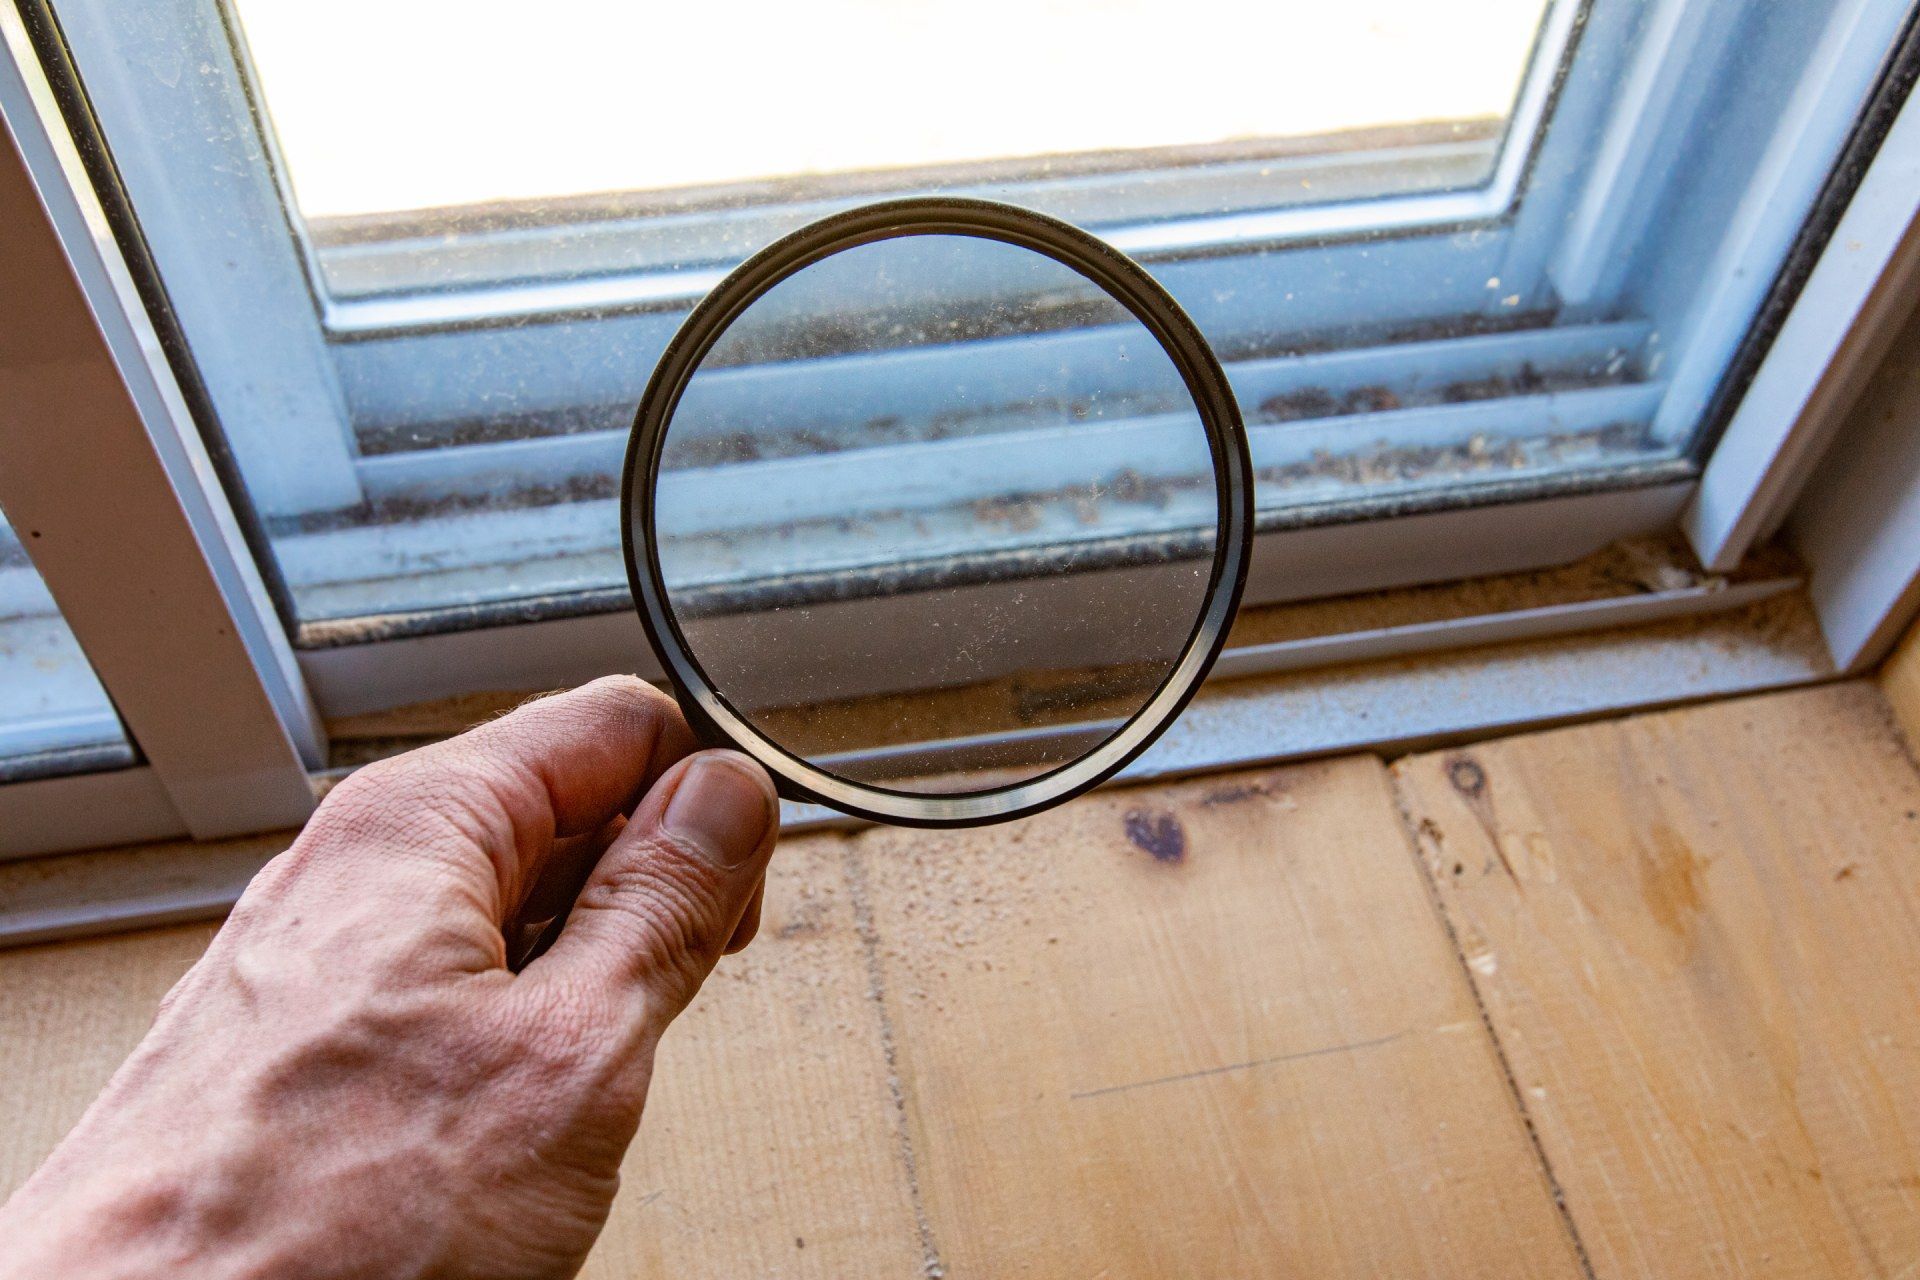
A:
(54, 716)
(470, 123)
(1449, 254)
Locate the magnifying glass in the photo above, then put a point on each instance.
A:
(939, 509)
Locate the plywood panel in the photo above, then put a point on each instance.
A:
(1214, 1029)
(1698, 938)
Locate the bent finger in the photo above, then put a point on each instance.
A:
(493, 801)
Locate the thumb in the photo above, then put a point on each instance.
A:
(661, 904)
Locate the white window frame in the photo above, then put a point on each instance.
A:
(226, 657)
(165, 595)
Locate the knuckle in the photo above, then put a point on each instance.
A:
(673, 917)
(628, 689)
(631, 698)
(602, 700)
(412, 819)
(572, 1027)
(589, 1068)
(376, 793)
(418, 796)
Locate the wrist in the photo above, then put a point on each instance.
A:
(88, 1231)
(219, 1197)
(127, 1199)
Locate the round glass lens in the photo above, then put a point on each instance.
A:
(935, 515)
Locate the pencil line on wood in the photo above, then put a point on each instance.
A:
(1240, 1066)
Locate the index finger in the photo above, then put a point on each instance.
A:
(594, 750)
(493, 800)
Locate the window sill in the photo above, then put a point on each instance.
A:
(1457, 672)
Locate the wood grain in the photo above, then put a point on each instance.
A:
(1697, 935)
(1900, 683)
(1218, 1029)
(770, 1146)
(1214, 1029)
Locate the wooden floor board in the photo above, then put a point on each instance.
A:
(69, 1014)
(1214, 1029)
(770, 1145)
(769, 1148)
(1697, 935)
(1205, 1030)
(1232, 1027)
(1899, 679)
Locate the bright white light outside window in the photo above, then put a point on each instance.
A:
(482, 100)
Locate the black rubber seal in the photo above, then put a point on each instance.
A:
(718, 723)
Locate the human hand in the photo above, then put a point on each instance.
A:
(352, 1081)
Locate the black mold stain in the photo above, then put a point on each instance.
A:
(1159, 834)
(1467, 777)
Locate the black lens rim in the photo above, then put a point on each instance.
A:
(709, 714)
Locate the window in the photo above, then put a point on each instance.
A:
(1450, 257)
(1489, 279)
